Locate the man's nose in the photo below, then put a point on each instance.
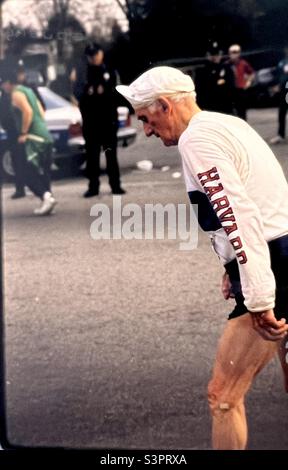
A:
(147, 129)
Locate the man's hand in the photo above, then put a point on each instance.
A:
(22, 139)
(274, 89)
(268, 327)
(227, 287)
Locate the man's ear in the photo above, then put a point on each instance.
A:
(165, 104)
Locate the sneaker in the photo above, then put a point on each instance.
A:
(18, 194)
(48, 204)
(277, 140)
(91, 193)
(118, 191)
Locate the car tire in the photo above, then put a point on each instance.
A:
(7, 170)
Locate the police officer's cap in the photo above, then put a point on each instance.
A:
(214, 49)
(92, 49)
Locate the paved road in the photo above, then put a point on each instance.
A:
(111, 343)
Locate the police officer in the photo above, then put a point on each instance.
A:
(215, 82)
(282, 77)
(94, 89)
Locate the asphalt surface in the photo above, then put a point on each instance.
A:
(110, 343)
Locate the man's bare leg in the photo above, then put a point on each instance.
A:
(241, 354)
(283, 356)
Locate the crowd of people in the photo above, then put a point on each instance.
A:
(222, 84)
(230, 173)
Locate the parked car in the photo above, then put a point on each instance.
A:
(65, 124)
(263, 92)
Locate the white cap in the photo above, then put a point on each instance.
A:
(159, 81)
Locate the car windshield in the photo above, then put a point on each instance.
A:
(51, 100)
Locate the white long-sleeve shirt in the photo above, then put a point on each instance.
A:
(231, 172)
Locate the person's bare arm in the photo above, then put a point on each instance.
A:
(250, 75)
(249, 80)
(73, 77)
(20, 101)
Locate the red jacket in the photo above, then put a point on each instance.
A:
(241, 70)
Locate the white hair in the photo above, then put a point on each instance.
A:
(179, 96)
(175, 97)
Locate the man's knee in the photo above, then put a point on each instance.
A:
(219, 399)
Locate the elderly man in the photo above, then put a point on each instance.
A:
(242, 198)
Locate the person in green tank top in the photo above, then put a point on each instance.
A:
(34, 136)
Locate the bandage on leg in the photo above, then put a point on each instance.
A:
(241, 354)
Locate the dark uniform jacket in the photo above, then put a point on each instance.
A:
(95, 91)
(214, 85)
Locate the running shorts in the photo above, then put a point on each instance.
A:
(279, 264)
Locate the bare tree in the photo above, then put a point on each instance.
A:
(58, 22)
(124, 6)
(61, 11)
(1, 31)
(134, 9)
(61, 7)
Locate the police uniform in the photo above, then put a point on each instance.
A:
(214, 85)
(95, 91)
(282, 73)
